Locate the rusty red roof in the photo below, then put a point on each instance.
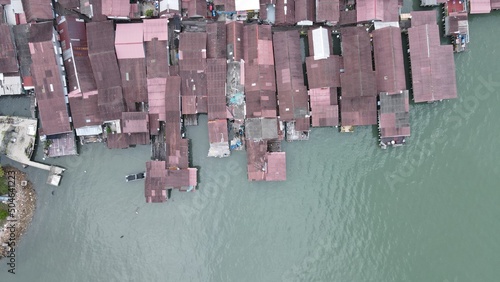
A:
(156, 182)
(423, 17)
(324, 106)
(73, 37)
(327, 11)
(69, 4)
(181, 178)
(135, 122)
(110, 103)
(117, 141)
(216, 40)
(217, 131)
(134, 84)
(156, 58)
(155, 28)
(348, 17)
(292, 93)
(394, 117)
(389, 65)
(84, 109)
(234, 40)
(285, 12)
(229, 5)
(192, 51)
(382, 10)
(258, 45)
(38, 10)
(323, 73)
(154, 124)
(216, 88)
(195, 7)
(358, 111)
(195, 84)
(261, 104)
(263, 165)
(432, 65)
(49, 88)
(305, 10)
(8, 61)
(358, 78)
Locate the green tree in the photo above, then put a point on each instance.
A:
(3, 213)
(2, 174)
(149, 13)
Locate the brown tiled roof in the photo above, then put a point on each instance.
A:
(84, 109)
(327, 10)
(156, 182)
(432, 65)
(292, 94)
(217, 131)
(394, 117)
(216, 40)
(324, 106)
(8, 61)
(305, 10)
(41, 32)
(358, 110)
(423, 17)
(358, 78)
(382, 10)
(156, 58)
(117, 141)
(156, 97)
(105, 69)
(234, 40)
(135, 122)
(323, 73)
(49, 89)
(134, 84)
(37, 10)
(276, 166)
(101, 36)
(285, 13)
(389, 65)
(73, 37)
(216, 88)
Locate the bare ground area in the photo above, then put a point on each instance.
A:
(24, 201)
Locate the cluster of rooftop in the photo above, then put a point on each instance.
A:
(106, 73)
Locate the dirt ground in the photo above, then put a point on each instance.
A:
(25, 204)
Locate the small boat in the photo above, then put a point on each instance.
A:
(135, 176)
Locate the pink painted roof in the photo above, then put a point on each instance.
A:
(217, 131)
(276, 166)
(155, 28)
(423, 17)
(480, 6)
(383, 10)
(129, 41)
(135, 122)
(156, 96)
(116, 8)
(155, 182)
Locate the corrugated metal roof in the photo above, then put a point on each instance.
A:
(110, 103)
(285, 12)
(38, 10)
(382, 10)
(394, 117)
(261, 103)
(217, 131)
(292, 93)
(323, 73)
(156, 182)
(327, 11)
(234, 40)
(358, 78)
(49, 88)
(116, 8)
(261, 128)
(389, 65)
(135, 122)
(320, 43)
(216, 40)
(276, 166)
(129, 42)
(423, 17)
(216, 88)
(432, 65)
(84, 109)
(21, 35)
(495, 4)
(195, 7)
(192, 51)
(156, 97)
(156, 59)
(8, 61)
(324, 106)
(155, 28)
(134, 84)
(480, 6)
(305, 10)
(358, 111)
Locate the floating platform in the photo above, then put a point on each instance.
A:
(136, 176)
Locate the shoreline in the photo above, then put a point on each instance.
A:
(24, 203)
